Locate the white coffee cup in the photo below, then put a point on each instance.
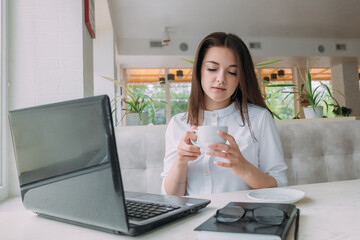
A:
(208, 134)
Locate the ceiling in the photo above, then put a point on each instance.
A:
(256, 18)
(144, 19)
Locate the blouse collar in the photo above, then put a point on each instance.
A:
(221, 112)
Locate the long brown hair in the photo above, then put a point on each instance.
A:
(248, 90)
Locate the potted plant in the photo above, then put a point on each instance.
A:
(135, 105)
(341, 110)
(310, 98)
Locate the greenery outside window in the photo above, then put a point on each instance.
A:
(278, 102)
(276, 98)
(179, 94)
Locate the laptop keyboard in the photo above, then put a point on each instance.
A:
(141, 211)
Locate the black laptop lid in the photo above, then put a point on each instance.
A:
(58, 139)
(67, 162)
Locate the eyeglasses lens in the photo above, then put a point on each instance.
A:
(269, 215)
(264, 215)
(230, 214)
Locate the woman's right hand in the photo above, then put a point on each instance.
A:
(186, 150)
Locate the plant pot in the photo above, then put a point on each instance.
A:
(310, 114)
(132, 119)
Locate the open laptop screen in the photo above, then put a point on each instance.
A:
(70, 137)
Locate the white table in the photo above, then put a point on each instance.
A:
(329, 211)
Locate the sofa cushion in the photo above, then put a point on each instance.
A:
(321, 151)
(141, 152)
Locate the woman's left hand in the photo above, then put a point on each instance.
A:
(237, 163)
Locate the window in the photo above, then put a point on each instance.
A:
(278, 99)
(152, 82)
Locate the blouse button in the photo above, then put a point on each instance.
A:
(213, 114)
(207, 173)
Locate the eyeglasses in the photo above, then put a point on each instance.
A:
(263, 215)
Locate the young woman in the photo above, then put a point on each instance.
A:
(224, 91)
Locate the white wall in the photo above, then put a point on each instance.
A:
(270, 46)
(50, 56)
(136, 53)
(104, 50)
(345, 78)
(104, 62)
(87, 60)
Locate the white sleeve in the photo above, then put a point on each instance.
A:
(170, 151)
(271, 156)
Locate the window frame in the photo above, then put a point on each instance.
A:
(4, 189)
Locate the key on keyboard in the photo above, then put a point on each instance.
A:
(140, 211)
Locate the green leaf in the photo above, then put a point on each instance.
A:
(280, 85)
(187, 60)
(277, 116)
(114, 81)
(266, 63)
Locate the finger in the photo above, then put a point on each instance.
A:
(219, 146)
(219, 154)
(187, 154)
(227, 136)
(192, 149)
(189, 135)
(223, 164)
(189, 148)
(188, 158)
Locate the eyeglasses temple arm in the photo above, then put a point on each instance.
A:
(297, 223)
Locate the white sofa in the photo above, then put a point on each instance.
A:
(314, 151)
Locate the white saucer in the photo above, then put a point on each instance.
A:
(276, 195)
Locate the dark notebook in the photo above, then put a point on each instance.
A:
(248, 228)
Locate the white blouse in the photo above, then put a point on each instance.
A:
(203, 175)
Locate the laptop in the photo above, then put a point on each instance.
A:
(69, 170)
